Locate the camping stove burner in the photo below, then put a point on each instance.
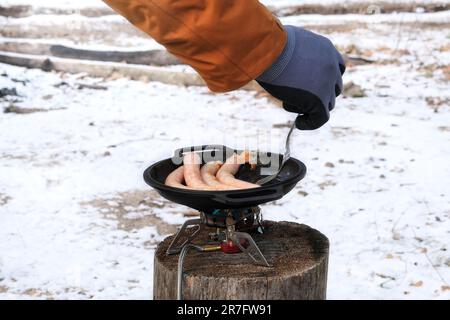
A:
(231, 235)
(242, 219)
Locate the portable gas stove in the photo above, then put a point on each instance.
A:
(230, 236)
(233, 213)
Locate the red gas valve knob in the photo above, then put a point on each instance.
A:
(227, 246)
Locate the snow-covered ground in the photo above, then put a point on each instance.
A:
(77, 221)
(99, 3)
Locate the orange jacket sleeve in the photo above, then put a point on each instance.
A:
(228, 42)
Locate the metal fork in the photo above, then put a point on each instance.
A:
(286, 156)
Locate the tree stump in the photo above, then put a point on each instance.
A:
(298, 253)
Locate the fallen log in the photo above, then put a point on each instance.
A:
(144, 57)
(108, 69)
(148, 57)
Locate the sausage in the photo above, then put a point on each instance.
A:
(176, 178)
(192, 174)
(212, 175)
(208, 173)
(226, 173)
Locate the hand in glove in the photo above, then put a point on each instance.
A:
(306, 77)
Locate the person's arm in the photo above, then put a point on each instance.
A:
(228, 42)
(231, 42)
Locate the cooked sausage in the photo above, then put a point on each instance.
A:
(208, 172)
(192, 174)
(176, 178)
(226, 173)
(212, 175)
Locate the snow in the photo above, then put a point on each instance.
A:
(53, 162)
(100, 4)
(283, 3)
(400, 17)
(138, 45)
(78, 222)
(56, 3)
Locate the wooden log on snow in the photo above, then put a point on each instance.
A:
(101, 69)
(298, 253)
(147, 57)
(108, 69)
(144, 57)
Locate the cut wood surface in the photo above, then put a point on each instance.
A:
(299, 255)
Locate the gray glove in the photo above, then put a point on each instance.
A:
(307, 77)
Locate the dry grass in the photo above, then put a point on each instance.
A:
(4, 199)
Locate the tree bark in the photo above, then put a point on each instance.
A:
(298, 253)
